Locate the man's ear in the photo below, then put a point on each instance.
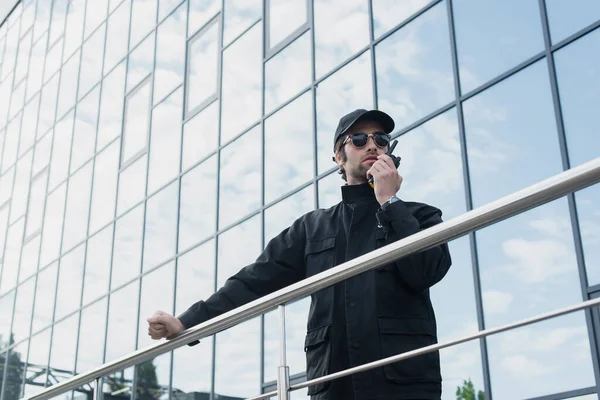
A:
(338, 159)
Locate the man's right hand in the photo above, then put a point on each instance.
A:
(163, 325)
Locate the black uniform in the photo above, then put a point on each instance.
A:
(373, 315)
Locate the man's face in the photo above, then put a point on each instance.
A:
(359, 160)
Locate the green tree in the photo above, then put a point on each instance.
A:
(467, 392)
(147, 382)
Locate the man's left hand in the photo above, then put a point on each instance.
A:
(386, 178)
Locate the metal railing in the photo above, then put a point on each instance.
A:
(540, 193)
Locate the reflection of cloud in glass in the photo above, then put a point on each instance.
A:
(137, 121)
(127, 253)
(78, 207)
(29, 258)
(91, 61)
(64, 342)
(192, 368)
(47, 106)
(44, 297)
(111, 107)
(506, 126)
(84, 133)
(90, 352)
(21, 187)
(200, 135)
(16, 100)
(143, 19)
(97, 265)
(10, 51)
(95, 13)
(11, 260)
(132, 185)
(341, 29)
(285, 17)
(201, 11)
(140, 62)
(161, 226)
(6, 311)
(74, 26)
(195, 276)
(170, 53)
(294, 61)
(283, 214)
(460, 363)
(105, 187)
(536, 360)
(238, 247)
(23, 310)
(39, 352)
(289, 148)
(41, 157)
(414, 68)
(165, 141)
(240, 178)
(68, 85)
(203, 62)
(242, 81)
(157, 294)
(30, 114)
(11, 143)
(116, 36)
(589, 216)
(22, 64)
(330, 192)
(486, 46)
(53, 59)
(3, 225)
(70, 277)
(42, 19)
(6, 184)
(389, 13)
(198, 207)
(122, 321)
(337, 96)
(239, 15)
(36, 67)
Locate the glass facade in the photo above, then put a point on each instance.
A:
(151, 148)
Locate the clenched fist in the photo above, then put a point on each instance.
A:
(163, 325)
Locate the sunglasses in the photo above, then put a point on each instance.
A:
(361, 139)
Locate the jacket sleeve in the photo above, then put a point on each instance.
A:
(419, 270)
(280, 264)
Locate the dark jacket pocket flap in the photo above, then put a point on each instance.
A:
(316, 337)
(316, 246)
(406, 326)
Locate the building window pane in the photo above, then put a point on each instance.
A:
(337, 96)
(414, 68)
(23, 56)
(132, 185)
(111, 106)
(152, 377)
(39, 352)
(23, 311)
(198, 208)
(61, 151)
(161, 280)
(97, 265)
(12, 255)
(137, 121)
(294, 60)
(91, 59)
(565, 21)
(41, 158)
(68, 85)
(203, 62)
(30, 258)
(201, 11)
(44, 297)
(47, 106)
(242, 84)
(53, 60)
(122, 321)
(143, 19)
(170, 53)
(240, 178)
(16, 101)
(11, 143)
(165, 141)
(238, 247)
(334, 42)
(70, 281)
(505, 126)
(389, 13)
(36, 67)
(140, 62)
(62, 354)
(200, 135)
(74, 26)
(78, 207)
(6, 313)
(95, 13)
(127, 252)
(53, 223)
(105, 187)
(117, 36)
(6, 183)
(486, 47)
(289, 148)
(16, 359)
(84, 134)
(21, 187)
(3, 226)
(239, 15)
(285, 16)
(90, 352)
(161, 226)
(28, 125)
(36, 204)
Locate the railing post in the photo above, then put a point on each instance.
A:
(97, 389)
(283, 375)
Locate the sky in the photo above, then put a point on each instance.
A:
(527, 264)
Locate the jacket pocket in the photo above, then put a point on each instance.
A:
(319, 255)
(399, 335)
(318, 353)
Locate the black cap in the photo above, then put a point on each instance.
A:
(363, 115)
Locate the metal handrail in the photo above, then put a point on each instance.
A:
(540, 193)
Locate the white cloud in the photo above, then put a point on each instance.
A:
(497, 302)
(557, 227)
(524, 368)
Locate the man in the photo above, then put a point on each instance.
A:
(376, 314)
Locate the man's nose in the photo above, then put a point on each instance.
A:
(371, 143)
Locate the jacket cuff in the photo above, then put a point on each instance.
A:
(392, 212)
(190, 318)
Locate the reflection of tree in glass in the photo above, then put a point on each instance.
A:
(14, 376)
(467, 392)
(147, 386)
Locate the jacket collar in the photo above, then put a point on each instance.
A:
(354, 193)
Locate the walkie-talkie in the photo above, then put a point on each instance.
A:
(394, 158)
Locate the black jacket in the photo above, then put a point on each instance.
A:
(376, 314)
